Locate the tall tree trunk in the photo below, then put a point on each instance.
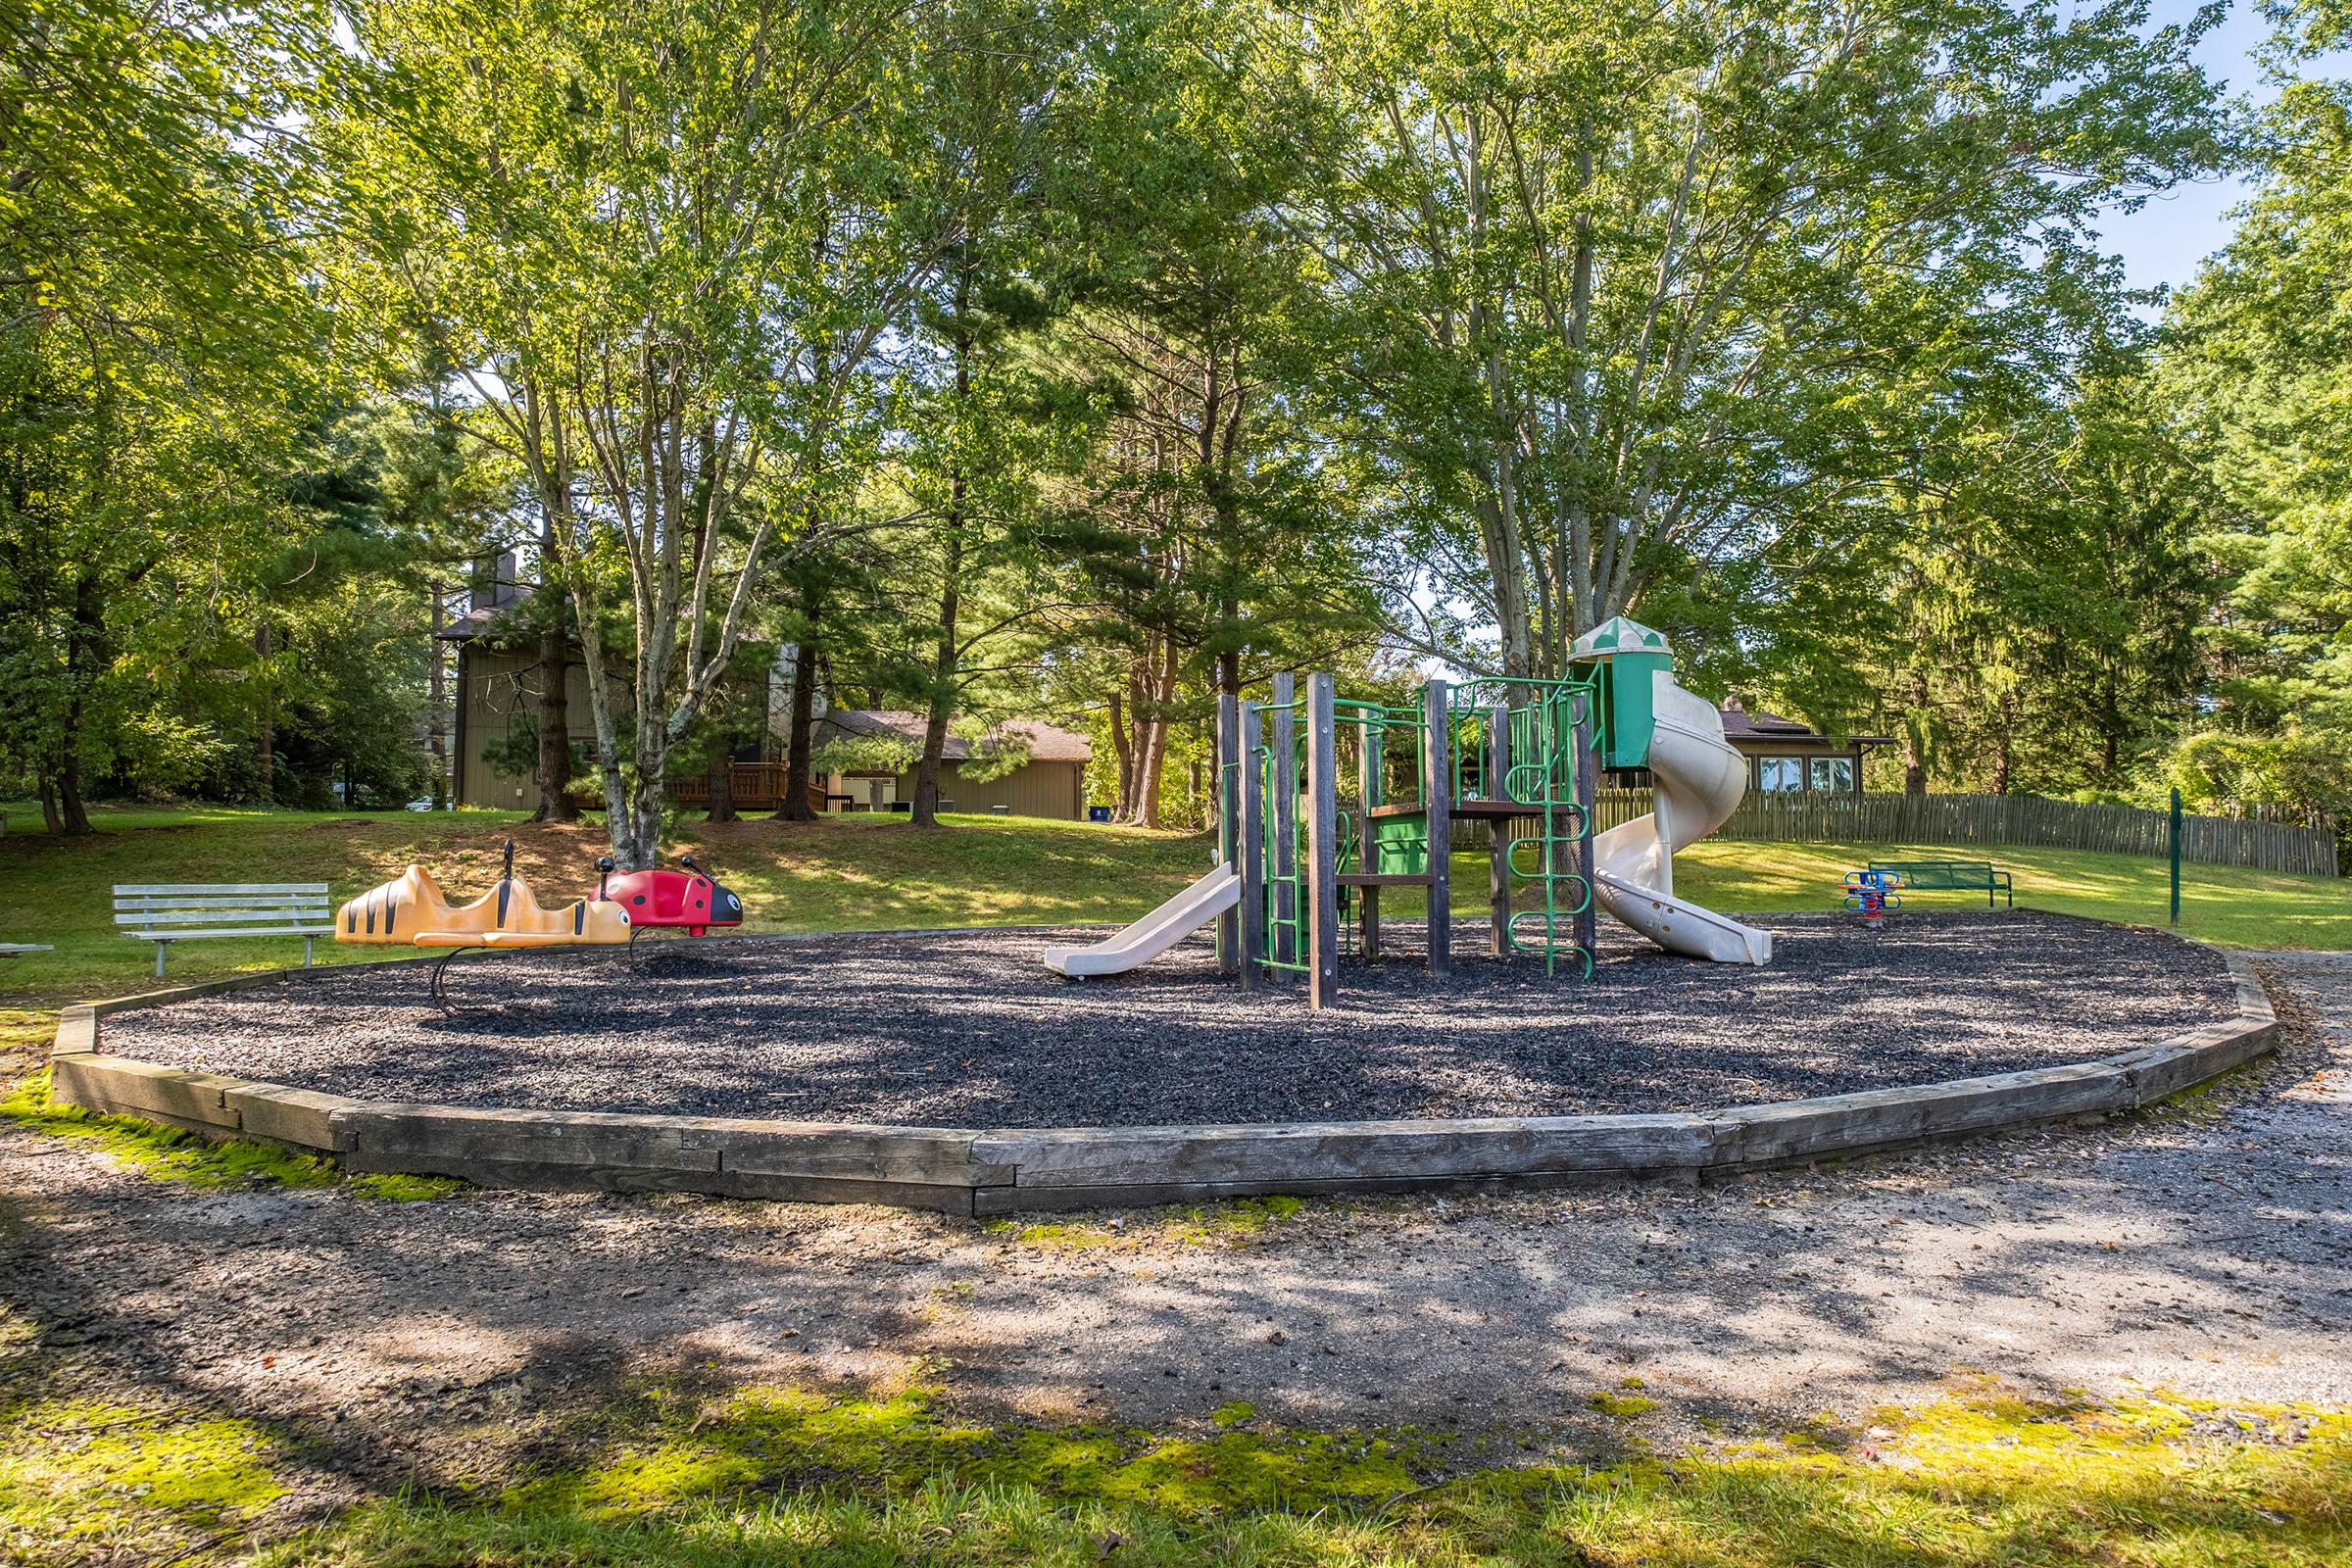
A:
(2111, 724)
(438, 734)
(82, 643)
(2004, 749)
(924, 811)
(1150, 766)
(50, 818)
(1123, 744)
(723, 781)
(795, 807)
(553, 770)
(264, 722)
(74, 816)
(1153, 753)
(1915, 749)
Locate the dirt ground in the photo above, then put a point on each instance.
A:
(2205, 1248)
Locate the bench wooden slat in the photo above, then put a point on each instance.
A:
(123, 888)
(238, 931)
(217, 917)
(177, 900)
(248, 900)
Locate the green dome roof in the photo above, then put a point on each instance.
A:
(1618, 635)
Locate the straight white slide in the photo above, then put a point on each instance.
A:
(1156, 933)
(1698, 780)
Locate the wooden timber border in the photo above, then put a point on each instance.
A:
(961, 1171)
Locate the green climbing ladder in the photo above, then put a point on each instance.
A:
(1548, 736)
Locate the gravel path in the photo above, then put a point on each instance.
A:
(2206, 1248)
(970, 1030)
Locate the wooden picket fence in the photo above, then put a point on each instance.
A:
(2269, 845)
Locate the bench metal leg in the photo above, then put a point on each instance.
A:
(159, 960)
(306, 952)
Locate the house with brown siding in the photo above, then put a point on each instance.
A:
(502, 680)
(1787, 757)
(1052, 782)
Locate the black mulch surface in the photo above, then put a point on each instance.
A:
(970, 1030)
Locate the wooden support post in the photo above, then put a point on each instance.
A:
(1368, 786)
(1323, 845)
(1229, 821)
(1254, 850)
(1437, 799)
(1587, 924)
(1285, 808)
(1498, 840)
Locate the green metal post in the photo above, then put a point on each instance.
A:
(1437, 814)
(2176, 857)
(1229, 823)
(1282, 821)
(1253, 844)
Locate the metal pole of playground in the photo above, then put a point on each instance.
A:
(2176, 857)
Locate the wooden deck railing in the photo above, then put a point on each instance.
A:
(754, 786)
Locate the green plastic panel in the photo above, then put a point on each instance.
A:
(1400, 845)
(1631, 680)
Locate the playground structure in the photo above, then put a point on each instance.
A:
(1294, 865)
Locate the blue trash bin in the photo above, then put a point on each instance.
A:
(1097, 814)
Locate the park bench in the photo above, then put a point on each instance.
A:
(1964, 876)
(194, 912)
(17, 949)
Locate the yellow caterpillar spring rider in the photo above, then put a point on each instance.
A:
(411, 912)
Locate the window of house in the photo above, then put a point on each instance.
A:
(1834, 775)
(1779, 775)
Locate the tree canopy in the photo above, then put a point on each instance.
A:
(1033, 357)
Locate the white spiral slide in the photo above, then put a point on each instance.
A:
(1699, 780)
(1156, 933)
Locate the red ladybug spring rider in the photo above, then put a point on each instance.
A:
(691, 900)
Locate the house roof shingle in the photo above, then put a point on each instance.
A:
(1739, 721)
(1048, 743)
(1742, 723)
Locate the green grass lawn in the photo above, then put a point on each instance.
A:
(876, 872)
(2224, 903)
(677, 1478)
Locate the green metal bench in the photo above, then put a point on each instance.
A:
(1960, 876)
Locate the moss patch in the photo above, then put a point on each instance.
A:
(92, 1481)
(397, 1189)
(171, 1155)
(1981, 1479)
(759, 1439)
(1232, 1224)
(165, 1153)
